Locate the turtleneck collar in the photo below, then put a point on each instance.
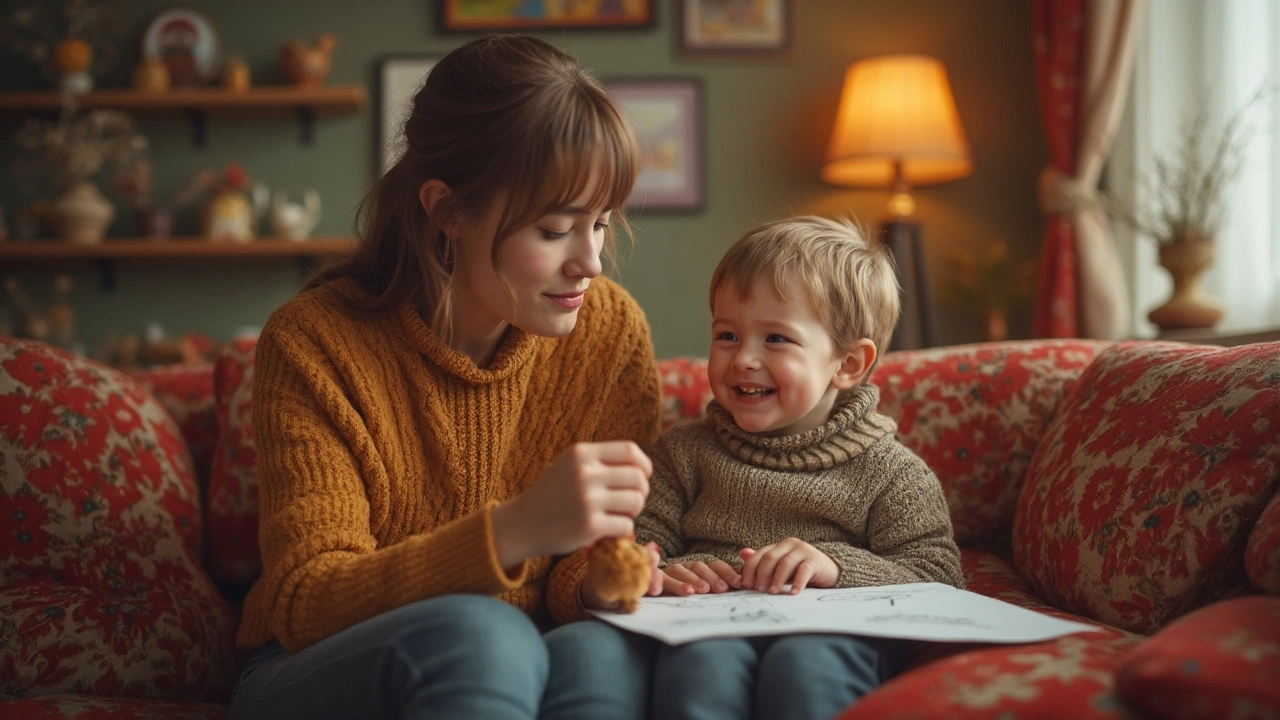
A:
(853, 426)
(514, 352)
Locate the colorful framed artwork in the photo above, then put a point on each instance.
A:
(735, 27)
(667, 116)
(399, 79)
(188, 44)
(482, 15)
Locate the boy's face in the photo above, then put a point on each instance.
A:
(772, 361)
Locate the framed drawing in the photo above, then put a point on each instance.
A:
(481, 15)
(399, 78)
(747, 28)
(667, 115)
(187, 42)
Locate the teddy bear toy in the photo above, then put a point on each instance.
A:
(619, 569)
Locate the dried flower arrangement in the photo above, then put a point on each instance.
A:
(62, 46)
(77, 145)
(991, 282)
(1187, 185)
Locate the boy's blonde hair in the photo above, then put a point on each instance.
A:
(850, 280)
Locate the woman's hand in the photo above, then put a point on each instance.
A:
(592, 490)
(792, 560)
(699, 577)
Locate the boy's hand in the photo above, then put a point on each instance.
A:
(792, 560)
(699, 577)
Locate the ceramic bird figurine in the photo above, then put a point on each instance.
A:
(619, 569)
(307, 66)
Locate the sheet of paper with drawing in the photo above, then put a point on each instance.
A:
(921, 611)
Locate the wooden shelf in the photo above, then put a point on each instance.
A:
(327, 99)
(177, 247)
(198, 103)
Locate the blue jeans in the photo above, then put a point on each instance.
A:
(458, 656)
(790, 677)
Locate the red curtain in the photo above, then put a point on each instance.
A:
(1059, 44)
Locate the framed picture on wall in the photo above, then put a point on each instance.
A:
(481, 15)
(667, 114)
(399, 78)
(749, 28)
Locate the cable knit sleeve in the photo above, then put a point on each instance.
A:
(908, 529)
(629, 409)
(322, 569)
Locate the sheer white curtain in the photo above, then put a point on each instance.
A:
(1214, 54)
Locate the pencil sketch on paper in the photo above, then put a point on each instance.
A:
(892, 594)
(750, 617)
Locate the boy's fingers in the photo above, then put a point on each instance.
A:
(804, 573)
(707, 577)
(727, 573)
(785, 569)
(675, 586)
(685, 576)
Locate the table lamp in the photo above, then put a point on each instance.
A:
(897, 127)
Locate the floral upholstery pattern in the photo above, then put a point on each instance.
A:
(83, 707)
(1138, 503)
(1222, 661)
(685, 389)
(975, 414)
(233, 483)
(186, 391)
(101, 589)
(1070, 678)
(1262, 554)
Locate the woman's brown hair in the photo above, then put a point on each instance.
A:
(506, 121)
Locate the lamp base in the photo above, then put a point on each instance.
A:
(915, 328)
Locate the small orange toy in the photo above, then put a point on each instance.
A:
(619, 570)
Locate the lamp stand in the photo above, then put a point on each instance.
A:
(915, 328)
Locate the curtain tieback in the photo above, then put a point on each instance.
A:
(1061, 193)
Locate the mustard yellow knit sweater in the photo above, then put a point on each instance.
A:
(381, 452)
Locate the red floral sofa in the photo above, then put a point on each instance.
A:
(1132, 486)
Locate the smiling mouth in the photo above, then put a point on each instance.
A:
(569, 301)
(755, 393)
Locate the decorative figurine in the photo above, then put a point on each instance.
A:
(307, 66)
(295, 220)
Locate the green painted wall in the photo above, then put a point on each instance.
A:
(767, 124)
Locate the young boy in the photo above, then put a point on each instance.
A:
(793, 478)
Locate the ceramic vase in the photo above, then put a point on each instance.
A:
(81, 215)
(1190, 306)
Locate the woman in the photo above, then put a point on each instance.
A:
(462, 398)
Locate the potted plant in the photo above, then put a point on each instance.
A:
(75, 147)
(1183, 209)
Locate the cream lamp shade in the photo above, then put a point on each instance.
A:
(897, 126)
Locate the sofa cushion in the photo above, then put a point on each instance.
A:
(84, 707)
(186, 391)
(1138, 502)
(101, 591)
(685, 389)
(1070, 678)
(1262, 554)
(1222, 661)
(233, 482)
(975, 414)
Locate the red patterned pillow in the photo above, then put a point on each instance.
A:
(1222, 661)
(975, 414)
(233, 485)
(1262, 554)
(100, 589)
(1137, 504)
(685, 389)
(186, 391)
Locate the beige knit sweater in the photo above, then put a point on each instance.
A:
(381, 452)
(848, 488)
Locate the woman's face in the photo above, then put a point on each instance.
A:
(547, 266)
